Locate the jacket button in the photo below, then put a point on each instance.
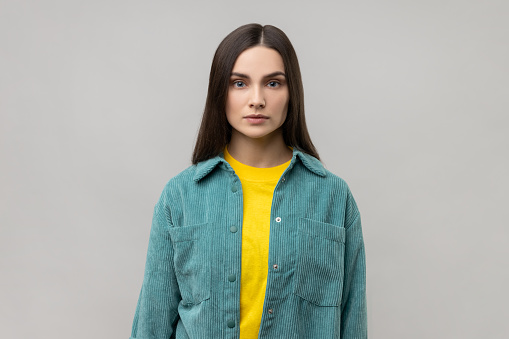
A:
(275, 266)
(234, 188)
(231, 278)
(270, 311)
(278, 219)
(233, 229)
(231, 323)
(283, 179)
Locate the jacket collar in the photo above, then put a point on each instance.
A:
(311, 163)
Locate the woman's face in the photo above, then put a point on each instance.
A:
(258, 96)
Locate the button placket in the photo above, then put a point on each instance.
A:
(231, 278)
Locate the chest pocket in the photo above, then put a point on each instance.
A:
(191, 258)
(320, 262)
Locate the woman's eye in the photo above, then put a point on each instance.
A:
(238, 84)
(273, 84)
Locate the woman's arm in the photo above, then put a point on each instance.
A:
(156, 313)
(354, 311)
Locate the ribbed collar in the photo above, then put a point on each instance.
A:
(311, 163)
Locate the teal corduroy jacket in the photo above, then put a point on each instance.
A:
(316, 283)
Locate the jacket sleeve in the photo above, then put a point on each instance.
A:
(156, 313)
(353, 306)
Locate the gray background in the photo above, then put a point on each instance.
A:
(100, 102)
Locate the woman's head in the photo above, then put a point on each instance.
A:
(215, 130)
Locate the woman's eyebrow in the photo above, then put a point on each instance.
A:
(273, 74)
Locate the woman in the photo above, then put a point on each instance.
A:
(256, 238)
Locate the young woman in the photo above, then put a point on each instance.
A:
(256, 239)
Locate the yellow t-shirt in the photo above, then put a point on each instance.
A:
(258, 186)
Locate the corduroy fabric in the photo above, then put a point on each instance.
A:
(258, 186)
(316, 281)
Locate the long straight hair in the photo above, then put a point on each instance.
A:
(215, 130)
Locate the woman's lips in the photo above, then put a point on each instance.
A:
(256, 119)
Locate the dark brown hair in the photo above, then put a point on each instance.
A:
(215, 131)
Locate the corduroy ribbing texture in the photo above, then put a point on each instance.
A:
(316, 271)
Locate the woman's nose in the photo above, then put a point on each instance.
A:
(257, 99)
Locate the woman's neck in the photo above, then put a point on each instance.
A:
(263, 152)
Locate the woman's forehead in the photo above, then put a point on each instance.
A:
(259, 59)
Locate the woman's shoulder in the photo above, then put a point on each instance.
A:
(184, 177)
(191, 175)
(335, 178)
(317, 167)
(331, 181)
(177, 185)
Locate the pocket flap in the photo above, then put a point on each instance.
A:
(188, 233)
(320, 229)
